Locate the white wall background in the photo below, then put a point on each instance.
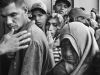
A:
(48, 4)
(31, 2)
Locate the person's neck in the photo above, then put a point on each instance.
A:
(27, 21)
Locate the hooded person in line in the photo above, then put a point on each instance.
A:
(78, 48)
(77, 14)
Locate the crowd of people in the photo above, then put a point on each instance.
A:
(36, 42)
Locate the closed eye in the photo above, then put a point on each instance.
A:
(13, 14)
(3, 16)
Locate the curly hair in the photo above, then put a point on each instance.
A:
(60, 23)
(58, 17)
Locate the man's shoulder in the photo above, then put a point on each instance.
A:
(34, 28)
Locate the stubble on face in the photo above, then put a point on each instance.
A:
(14, 16)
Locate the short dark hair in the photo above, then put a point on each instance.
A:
(64, 1)
(4, 3)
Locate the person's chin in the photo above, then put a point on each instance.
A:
(18, 29)
(39, 25)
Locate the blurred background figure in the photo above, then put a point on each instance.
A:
(77, 14)
(62, 7)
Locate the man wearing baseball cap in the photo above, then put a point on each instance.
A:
(39, 14)
(61, 6)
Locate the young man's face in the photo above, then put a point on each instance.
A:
(14, 16)
(40, 18)
(53, 24)
(61, 8)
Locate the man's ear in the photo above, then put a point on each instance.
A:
(29, 14)
(25, 8)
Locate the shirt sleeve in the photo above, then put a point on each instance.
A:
(33, 60)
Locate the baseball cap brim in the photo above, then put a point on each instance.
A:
(64, 1)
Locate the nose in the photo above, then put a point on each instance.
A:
(69, 53)
(51, 27)
(9, 20)
(37, 18)
(62, 7)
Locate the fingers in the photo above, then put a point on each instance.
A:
(7, 36)
(25, 41)
(12, 31)
(24, 36)
(20, 33)
(22, 47)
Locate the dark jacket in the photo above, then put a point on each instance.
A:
(59, 69)
(93, 69)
